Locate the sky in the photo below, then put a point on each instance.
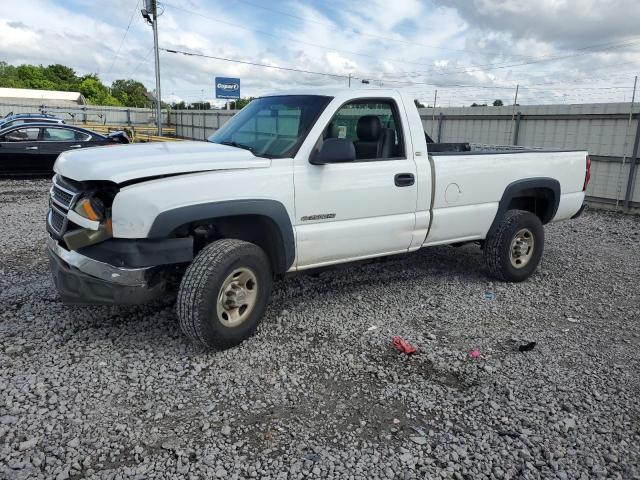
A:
(557, 51)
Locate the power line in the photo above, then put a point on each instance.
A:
(135, 9)
(255, 64)
(580, 52)
(302, 42)
(143, 59)
(462, 70)
(335, 75)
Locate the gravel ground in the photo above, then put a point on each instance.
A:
(319, 392)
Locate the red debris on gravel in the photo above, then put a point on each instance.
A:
(403, 346)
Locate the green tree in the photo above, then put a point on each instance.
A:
(32, 76)
(64, 78)
(418, 103)
(60, 77)
(8, 76)
(130, 93)
(95, 92)
(498, 103)
(240, 103)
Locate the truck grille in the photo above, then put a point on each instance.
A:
(57, 220)
(61, 197)
(61, 200)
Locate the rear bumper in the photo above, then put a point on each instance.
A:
(580, 212)
(83, 280)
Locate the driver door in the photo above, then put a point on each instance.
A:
(361, 208)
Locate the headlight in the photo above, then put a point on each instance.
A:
(91, 208)
(91, 214)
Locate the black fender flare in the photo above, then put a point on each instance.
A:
(168, 221)
(518, 186)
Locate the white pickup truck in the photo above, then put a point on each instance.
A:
(294, 181)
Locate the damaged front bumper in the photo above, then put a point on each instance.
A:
(84, 280)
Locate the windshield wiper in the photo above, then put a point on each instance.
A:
(238, 145)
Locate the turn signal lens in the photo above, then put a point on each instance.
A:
(90, 208)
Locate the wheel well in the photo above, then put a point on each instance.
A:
(539, 201)
(257, 229)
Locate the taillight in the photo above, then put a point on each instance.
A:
(587, 175)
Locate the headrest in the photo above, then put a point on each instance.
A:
(368, 128)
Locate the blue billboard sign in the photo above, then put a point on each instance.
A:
(227, 87)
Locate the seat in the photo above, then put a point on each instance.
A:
(373, 140)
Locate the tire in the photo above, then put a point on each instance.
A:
(514, 260)
(207, 320)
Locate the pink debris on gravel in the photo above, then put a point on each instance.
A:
(403, 346)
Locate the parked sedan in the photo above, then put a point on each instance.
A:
(32, 149)
(21, 118)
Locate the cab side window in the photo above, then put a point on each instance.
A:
(372, 125)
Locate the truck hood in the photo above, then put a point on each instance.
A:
(121, 163)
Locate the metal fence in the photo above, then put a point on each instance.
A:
(91, 114)
(607, 131)
(610, 132)
(198, 124)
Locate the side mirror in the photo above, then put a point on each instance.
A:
(334, 150)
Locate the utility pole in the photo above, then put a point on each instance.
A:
(150, 14)
(626, 137)
(513, 114)
(349, 80)
(433, 117)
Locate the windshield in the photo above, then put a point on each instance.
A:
(272, 127)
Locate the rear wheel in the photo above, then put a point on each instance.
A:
(224, 293)
(514, 248)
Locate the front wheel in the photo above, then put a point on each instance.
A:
(224, 293)
(514, 248)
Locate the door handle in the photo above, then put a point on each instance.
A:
(30, 148)
(75, 146)
(404, 179)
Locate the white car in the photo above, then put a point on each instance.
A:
(294, 181)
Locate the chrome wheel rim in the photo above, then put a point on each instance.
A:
(237, 297)
(522, 247)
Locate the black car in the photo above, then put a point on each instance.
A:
(20, 118)
(32, 149)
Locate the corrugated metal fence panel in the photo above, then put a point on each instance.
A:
(198, 124)
(636, 192)
(608, 180)
(601, 129)
(86, 113)
(597, 128)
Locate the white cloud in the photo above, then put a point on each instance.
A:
(433, 45)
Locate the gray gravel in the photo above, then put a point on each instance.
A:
(318, 392)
